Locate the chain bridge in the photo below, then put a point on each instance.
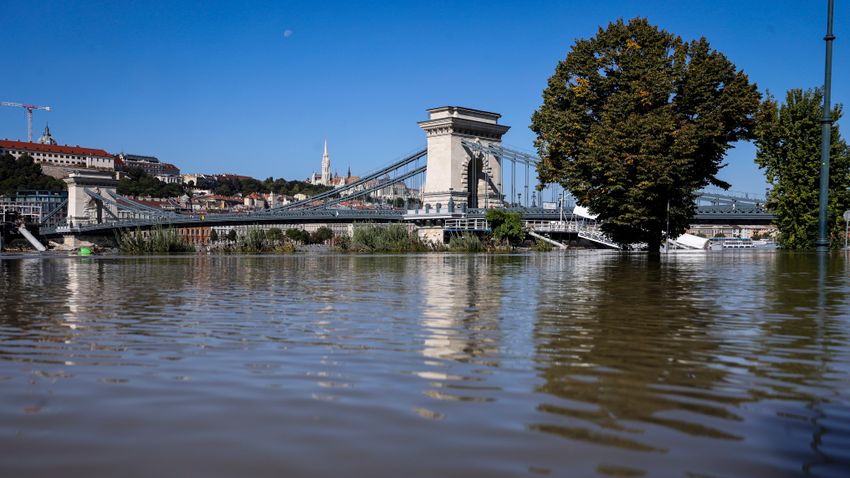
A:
(445, 187)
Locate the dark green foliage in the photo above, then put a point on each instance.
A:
(466, 243)
(213, 236)
(238, 185)
(274, 234)
(542, 246)
(252, 242)
(635, 117)
(139, 183)
(298, 235)
(788, 137)
(24, 173)
(343, 243)
(156, 241)
(321, 235)
(231, 235)
(386, 238)
(398, 203)
(506, 226)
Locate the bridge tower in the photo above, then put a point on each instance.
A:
(82, 208)
(455, 172)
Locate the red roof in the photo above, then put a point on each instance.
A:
(52, 148)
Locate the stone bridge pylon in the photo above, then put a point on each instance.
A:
(473, 178)
(82, 207)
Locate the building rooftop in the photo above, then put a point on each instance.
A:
(53, 148)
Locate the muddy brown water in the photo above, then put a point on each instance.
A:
(557, 364)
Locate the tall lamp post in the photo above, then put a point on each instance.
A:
(822, 244)
(846, 226)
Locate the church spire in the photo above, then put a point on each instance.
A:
(46, 137)
(326, 166)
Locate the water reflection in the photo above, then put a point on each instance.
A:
(576, 363)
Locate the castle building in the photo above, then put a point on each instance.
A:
(57, 159)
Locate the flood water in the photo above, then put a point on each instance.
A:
(577, 364)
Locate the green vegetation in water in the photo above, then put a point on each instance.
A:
(156, 241)
(466, 243)
(253, 242)
(506, 226)
(542, 246)
(386, 238)
(273, 240)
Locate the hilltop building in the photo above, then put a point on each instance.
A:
(151, 165)
(57, 160)
(46, 137)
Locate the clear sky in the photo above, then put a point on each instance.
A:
(255, 87)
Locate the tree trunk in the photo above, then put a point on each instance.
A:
(654, 246)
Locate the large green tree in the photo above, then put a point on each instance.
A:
(24, 173)
(635, 119)
(788, 138)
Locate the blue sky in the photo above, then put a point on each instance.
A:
(255, 87)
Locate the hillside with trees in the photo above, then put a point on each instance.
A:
(137, 182)
(241, 185)
(24, 173)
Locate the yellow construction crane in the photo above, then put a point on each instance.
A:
(29, 109)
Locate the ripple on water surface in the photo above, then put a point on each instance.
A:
(578, 364)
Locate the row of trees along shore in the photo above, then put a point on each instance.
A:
(636, 120)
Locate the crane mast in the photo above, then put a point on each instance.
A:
(29, 109)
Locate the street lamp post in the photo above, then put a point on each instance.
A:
(846, 228)
(822, 244)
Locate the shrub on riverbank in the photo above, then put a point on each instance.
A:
(386, 238)
(466, 243)
(253, 242)
(542, 246)
(156, 241)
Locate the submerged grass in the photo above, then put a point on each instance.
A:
(158, 240)
(466, 243)
(386, 238)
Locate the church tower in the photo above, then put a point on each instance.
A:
(326, 166)
(46, 137)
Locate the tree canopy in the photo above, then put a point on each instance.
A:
(635, 119)
(788, 138)
(24, 173)
(506, 226)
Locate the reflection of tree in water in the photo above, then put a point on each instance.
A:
(628, 340)
(796, 350)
